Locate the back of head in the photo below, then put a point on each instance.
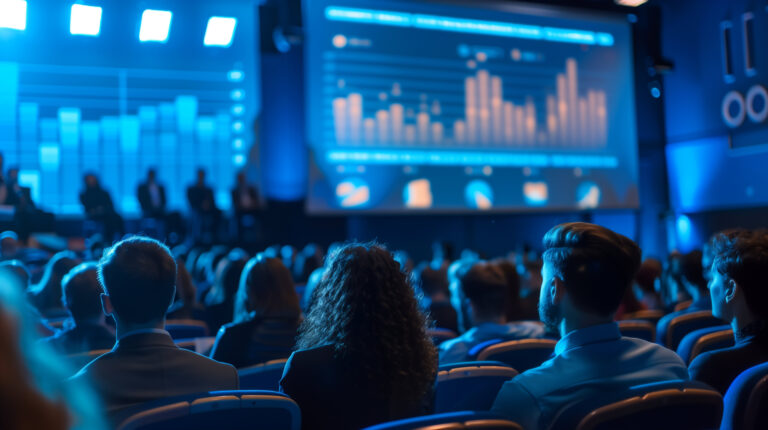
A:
(692, 271)
(433, 281)
(9, 244)
(226, 281)
(486, 288)
(266, 290)
(595, 264)
(49, 288)
(512, 279)
(365, 307)
(649, 272)
(139, 275)
(82, 291)
(742, 256)
(17, 271)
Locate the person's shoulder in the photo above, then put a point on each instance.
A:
(710, 360)
(650, 348)
(311, 355)
(204, 363)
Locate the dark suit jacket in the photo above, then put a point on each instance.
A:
(83, 338)
(255, 341)
(719, 368)
(96, 202)
(201, 198)
(148, 366)
(332, 397)
(145, 200)
(252, 193)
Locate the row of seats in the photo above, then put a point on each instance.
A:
(464, 390)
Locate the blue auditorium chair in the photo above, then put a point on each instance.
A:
(703, 340)
(450, 421)
(669, 405)
(470, 385)
(440, 335)
(264, 376)
(231, 410)
(646, 315)
(640, 329)
(519, 354)
(186, 328)
(746, 401)
(671, 335)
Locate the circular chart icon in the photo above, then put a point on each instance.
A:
(478, 195)
(353, 193)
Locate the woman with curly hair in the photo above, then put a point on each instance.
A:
(363, 353)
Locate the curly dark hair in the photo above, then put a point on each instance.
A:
(742, 255)
(365, 307)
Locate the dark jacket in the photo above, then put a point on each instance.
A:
(255, 341)
(331, 396)
(145, 200)
(148, 366)
(82, 338)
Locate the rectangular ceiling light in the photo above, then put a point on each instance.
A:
(85, 20)
(630, 3)
(220, 31)
(13, 14)
(155, 25)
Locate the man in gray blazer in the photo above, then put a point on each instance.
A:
(139, 280)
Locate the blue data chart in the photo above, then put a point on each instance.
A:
(113, 105)
(449, 97)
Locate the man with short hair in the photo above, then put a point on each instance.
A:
(587, 269)
(82, 298)
(484, 285)
(694, 283)
(739, 296)
(139, 280)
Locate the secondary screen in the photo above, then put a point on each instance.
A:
(419, 106)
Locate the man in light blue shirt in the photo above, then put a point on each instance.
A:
(586, 270)
(485, 288)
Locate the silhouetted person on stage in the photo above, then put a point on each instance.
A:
(27, 217)
(205, 215)
(151, 196)
(246, 205)
(98, 207)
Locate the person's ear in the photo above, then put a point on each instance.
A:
(730, 290)
(558, 289)
(106, 305)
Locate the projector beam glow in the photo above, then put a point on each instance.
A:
(220, 31)
(85, 20)
(155, 25)
(13, 14)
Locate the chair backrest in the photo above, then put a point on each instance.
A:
(638, 328)
(686, 323)
(450, 420)
(661, 406)
(440, 335)
(264, 376)
(470, 387)
(186, 328)
(646, 315)
(683, 305)
(746, 401)
(571, 416)
(234, 410)
(690, 408)
(703, 340)
(520, 354)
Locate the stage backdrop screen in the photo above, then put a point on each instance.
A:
(115, 88)
(440, 106)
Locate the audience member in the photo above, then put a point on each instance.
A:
(530, 286)
(692, 280)
(267, 316)
(739, 296)
(485, 286)
(46, 294)
(309, 259)
(98, 206)
(34, 395)
(586, 270)
(139, 278)
(645, 284)
(220, 300)
(512, 309)
(185, 305)
(9, 245)
(82, 298)
(436, 300)
(363, 355)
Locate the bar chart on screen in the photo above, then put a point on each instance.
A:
(470, 112)
(60, 122)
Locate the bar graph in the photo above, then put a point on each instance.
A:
(568, 117)
(59, 122)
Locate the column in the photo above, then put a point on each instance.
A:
(70, 171)
(484, 105)
(497, 110)
(355, 115)
(340, 120)
(396, 118)
(9, 97)
(470, 109)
